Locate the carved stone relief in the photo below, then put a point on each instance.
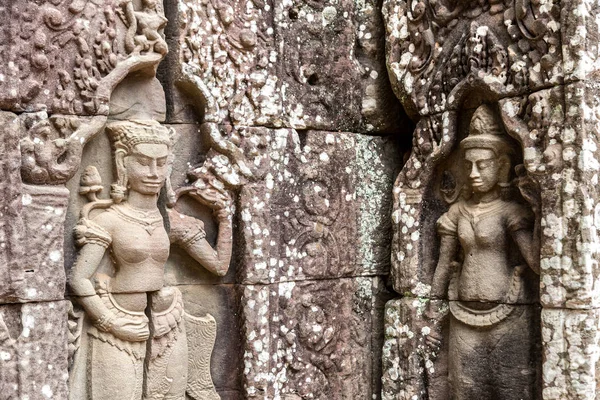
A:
(312, 303)
(273, 63)
(299, 312)
(434, 47)
(115, 334)
(66, 56)
(451, 343)
(489, 286)
(62, 59)
(524, 57)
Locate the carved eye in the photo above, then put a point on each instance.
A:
(143, 161)
(483, 164)
(161, 162)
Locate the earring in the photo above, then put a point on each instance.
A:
(117, 192)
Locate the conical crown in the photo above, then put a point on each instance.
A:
(486, 131)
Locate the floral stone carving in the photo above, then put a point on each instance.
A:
(118, 292)
(434, 46)
(104, 40)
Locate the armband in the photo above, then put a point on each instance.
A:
(87, 231)
(192, 237)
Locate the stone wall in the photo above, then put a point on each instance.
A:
(285, 106)
(220, 199)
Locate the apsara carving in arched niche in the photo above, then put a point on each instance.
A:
(532, 125)
(487, 270)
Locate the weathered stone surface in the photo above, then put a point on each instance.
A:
(31, 225)
(82, 76)
(226, 59)
(44, 209)
(299, 222)
(569, 271)
(262, 96)
(11, 223)
(66, 56)
(332, 73)
(435, 51)
(299, 64)
(570, 339)
(414, 364)
(309, 230)
(312, 339)
(579, 31)
(33, 345)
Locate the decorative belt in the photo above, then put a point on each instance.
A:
(492, 316)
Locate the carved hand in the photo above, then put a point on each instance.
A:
(161, 330)
(130, 330)
(181, 225)
(212, 198)
(529, 188)
(433, 340)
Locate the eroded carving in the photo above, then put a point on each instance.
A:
(323, 341)
(39, 76)
(51, 152)
(107, 49)
(512, 45)
(226, 53)
(487, 253)
(118, 278)
(143, 27)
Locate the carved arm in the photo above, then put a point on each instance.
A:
(188, 233)
(443, 270)
(81, 284)
(529, 245)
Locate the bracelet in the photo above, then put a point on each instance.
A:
(105, 322)
(223, 213)
(190, 239)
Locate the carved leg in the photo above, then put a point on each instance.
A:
(463, 354)
(496, 362)
(516, 356)
(113, 372)
(167, 372)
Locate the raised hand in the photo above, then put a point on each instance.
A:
(211, 197)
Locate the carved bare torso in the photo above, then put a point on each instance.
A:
(484, 231)
(139, 250)
(148, 21)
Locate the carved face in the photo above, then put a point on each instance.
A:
(483, 169)
(146, 167)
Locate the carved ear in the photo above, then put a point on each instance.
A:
(504, 171)
(120, 165)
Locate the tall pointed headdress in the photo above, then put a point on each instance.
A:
(486, 131)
